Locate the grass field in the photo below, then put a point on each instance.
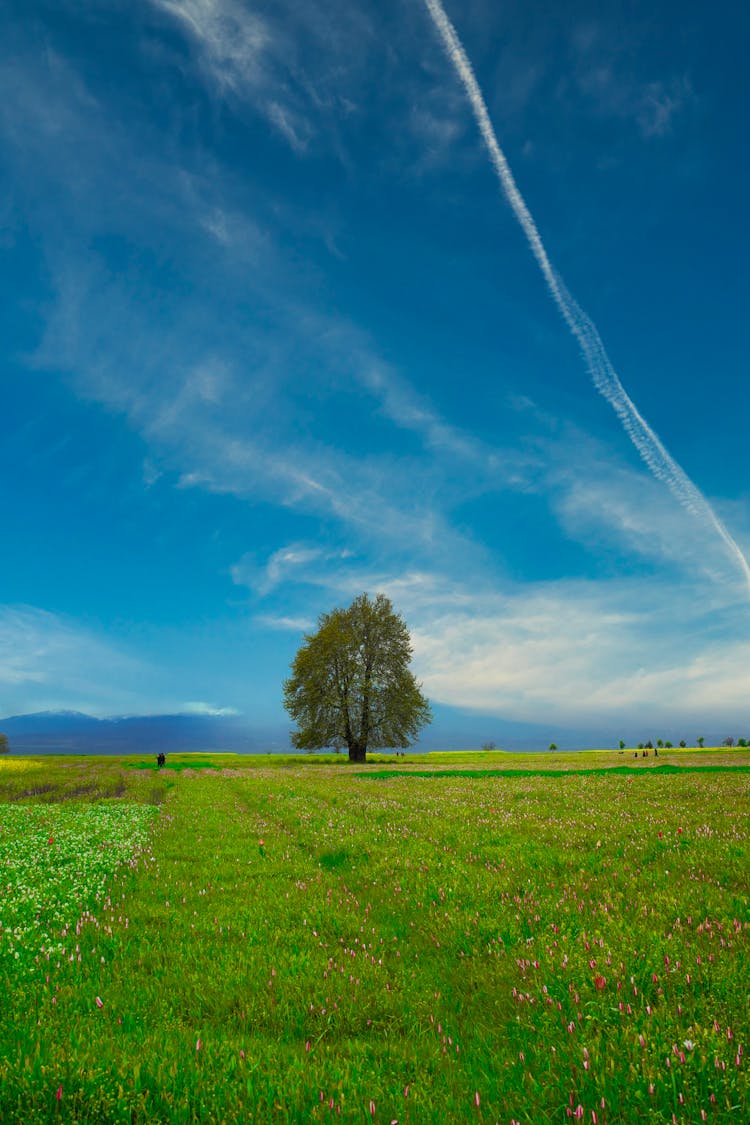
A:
(480, 938)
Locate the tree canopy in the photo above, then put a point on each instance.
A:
(351, 685)
(4, 744)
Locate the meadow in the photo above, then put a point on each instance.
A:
(480, 938)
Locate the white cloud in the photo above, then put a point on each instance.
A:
(578, 652)
(200, 708)
(285, 624)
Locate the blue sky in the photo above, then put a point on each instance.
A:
(273, 335)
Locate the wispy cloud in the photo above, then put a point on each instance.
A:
(48, 662)
(659, 103)
(570, 651)
(603, 72)
(234, 40)
(258, 59)
(285, 624)
(200, 708)
(605, 378)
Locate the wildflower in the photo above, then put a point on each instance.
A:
(197, 1044)
(99, 1001)
(600, 981)
(372, 1108)
(58, 1095)
(477, 1099)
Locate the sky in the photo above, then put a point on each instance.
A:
(445, 301)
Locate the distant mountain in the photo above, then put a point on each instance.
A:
(71, 732)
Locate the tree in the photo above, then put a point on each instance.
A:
(351, 685)
(682, 743)
(553, 746)
(488, 745)
(4, 744)
(728, 742)
(622, 744)
(700, 741)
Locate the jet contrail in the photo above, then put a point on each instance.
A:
(605, 378)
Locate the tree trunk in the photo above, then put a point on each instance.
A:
(357, 752)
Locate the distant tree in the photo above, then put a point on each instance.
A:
(351, 684)
(741, 742)
(667, 745)
(488, 745)
(728, 742)
(659, 743)
(682, 743)
(553, 746)
(649, 745)
(700, 741)
(640, 745)
(622, 744)
(4, 744)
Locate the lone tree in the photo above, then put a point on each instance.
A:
(351, 685)
(4, 744)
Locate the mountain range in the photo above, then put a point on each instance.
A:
(72, 732)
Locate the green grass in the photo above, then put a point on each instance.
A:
(256, 940)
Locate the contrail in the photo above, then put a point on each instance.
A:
(599, 365)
